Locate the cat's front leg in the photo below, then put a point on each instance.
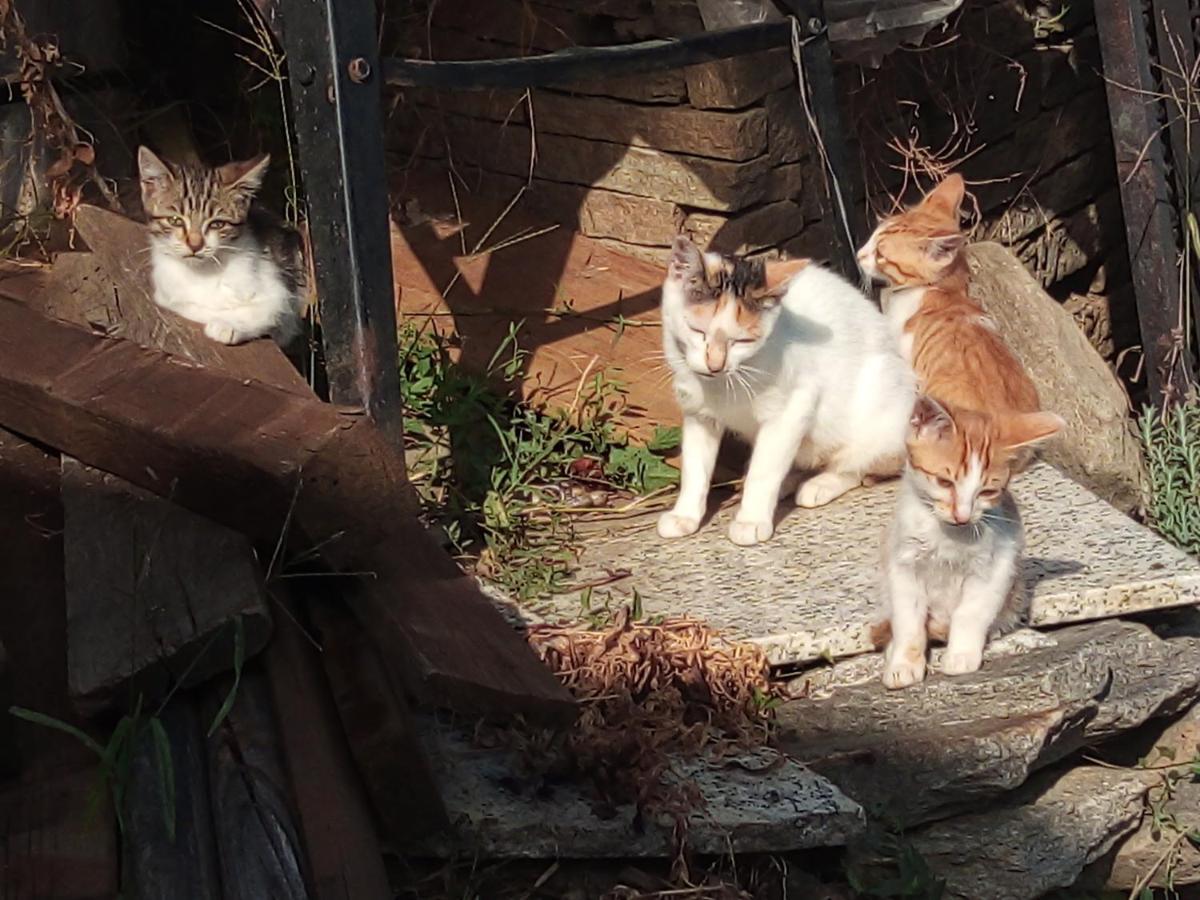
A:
(774, 454)
(698, 455)
(982, 599)
(904, 657)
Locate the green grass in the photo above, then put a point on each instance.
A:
(1172, 444)
(491, 471)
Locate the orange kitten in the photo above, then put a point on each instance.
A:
(952, 344)
(952, 551)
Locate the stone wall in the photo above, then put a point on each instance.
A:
(1008, 92)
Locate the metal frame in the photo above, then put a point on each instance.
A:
(333, 72)
(1152, 237)
(335, 76)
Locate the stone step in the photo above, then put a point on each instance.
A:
(811, 592)
(758, 802)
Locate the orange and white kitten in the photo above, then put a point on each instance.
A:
(951, 554)
(952, 550)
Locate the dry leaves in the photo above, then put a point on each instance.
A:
(648, 692)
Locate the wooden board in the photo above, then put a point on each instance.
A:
(153, 592)
(156, 866)
(259, 844)
(51, 849)
(250, 455)
(334, 814)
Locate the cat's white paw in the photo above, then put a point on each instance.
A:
(671, 525)
(223, 332)
(747, 534)
(962, 661)
(902, 673)
(824, 488)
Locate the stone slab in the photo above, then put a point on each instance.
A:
(811, 592)
(496, 814)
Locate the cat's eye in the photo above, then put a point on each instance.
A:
(945, 483)
(217, 224)
(989, 494)
(699, 331)
(175, 221)
(745, 340)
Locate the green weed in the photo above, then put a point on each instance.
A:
(491, 470)
(1172, 445)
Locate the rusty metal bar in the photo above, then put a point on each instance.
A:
(1145, 196)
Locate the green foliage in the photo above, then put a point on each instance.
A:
(897, 871)
(1172, 444)
(489, 469)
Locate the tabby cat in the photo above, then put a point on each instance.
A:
(217, 258)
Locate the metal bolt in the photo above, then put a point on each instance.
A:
(359, 69)
(815, 25)
(308, 76)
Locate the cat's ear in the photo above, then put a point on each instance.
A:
(687, 261)
(1031, 428)
(779, 274)
(945, 247)
(245, 177)
(930, 420)
(153, 173)
(947, 197)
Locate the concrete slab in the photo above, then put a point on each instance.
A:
(752, 804)
(811, 592)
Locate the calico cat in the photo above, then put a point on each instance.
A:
(951, 554)
(952, 549)
(216, 258)
(790, 357)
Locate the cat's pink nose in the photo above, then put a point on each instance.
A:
(195, 242)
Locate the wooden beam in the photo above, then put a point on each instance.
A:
(335, 817)
(255, 457)
(153, 592)
(584, 63)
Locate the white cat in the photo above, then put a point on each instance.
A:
(215, 258)
(792, 358)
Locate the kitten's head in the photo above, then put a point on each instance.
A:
(722, 307)
(960, 463)
(194, 211)
(917, 246)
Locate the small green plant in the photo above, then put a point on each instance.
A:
(897, 870)
(1172, 444)
(491, 470)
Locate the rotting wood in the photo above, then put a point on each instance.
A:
(50, 848)
(261, 854)
(250, 455)
(334, 815)
(154, 592)
(380, 732)
(157, 866)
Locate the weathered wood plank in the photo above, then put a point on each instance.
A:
(334, 815)
(380, 732)
(153, 591)
(156, 866)
(238, 451)
(261, 854)
(51, 849)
